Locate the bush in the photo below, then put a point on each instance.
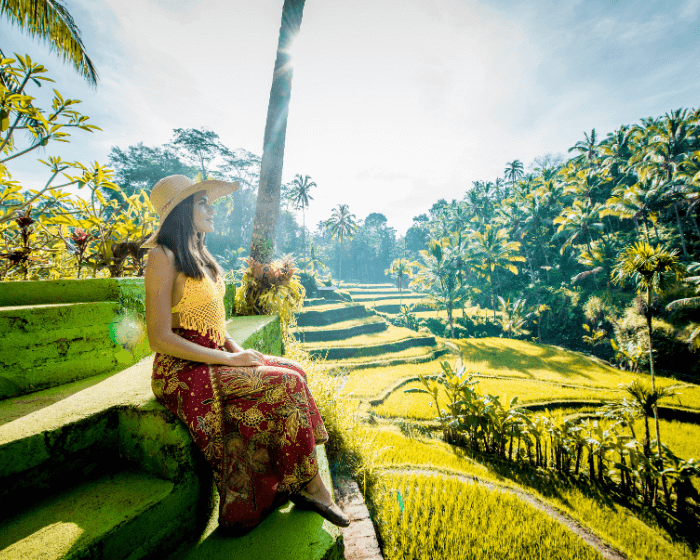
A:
(309, 282)
(671, 353)
(434, 325)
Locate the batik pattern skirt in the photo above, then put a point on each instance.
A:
(257, 427)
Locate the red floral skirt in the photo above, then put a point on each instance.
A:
(258, 427)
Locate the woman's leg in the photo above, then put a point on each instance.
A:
(317, 425)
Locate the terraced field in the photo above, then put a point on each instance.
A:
(486, 509)
(349, 335)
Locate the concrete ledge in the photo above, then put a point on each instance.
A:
(103, 431)
(286, 533)
(57, 332)
(80, 444)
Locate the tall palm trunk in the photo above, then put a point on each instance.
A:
(303, 231)
(340, 259)
(267, 208)
(656, 408)
(680, 230)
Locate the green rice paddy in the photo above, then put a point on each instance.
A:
(444, 518)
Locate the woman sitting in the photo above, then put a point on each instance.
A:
(252, 415)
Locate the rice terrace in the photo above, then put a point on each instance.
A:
(491, 497)
(443, 305)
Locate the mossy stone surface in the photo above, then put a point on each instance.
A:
(68, 444)
(57, 332)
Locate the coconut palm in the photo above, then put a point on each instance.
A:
(341, 224)
(491, 251)
(650, 267)
(514, 171)
(691, 302)
(267, 207)
(437, 276)
(638, 202)
(578, 221)
(49, 20)
(299, 195)
(588, 149)
(401, 269)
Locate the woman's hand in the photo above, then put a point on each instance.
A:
(246, 358)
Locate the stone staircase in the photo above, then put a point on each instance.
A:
(91, 466)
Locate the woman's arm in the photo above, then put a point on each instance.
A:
(232, 346)
(159, 279)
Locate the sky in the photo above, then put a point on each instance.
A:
(395, 103)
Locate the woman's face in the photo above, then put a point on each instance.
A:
(203, 213)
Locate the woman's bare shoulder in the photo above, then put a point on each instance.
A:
(161, 259)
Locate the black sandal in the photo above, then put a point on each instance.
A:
(306, 503)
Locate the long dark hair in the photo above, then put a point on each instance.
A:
(177, 234)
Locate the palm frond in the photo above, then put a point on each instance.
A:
(49, 20)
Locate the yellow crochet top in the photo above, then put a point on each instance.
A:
(202, 307)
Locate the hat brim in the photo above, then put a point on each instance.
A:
(214, 189)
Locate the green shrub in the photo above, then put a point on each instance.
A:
(309, 282)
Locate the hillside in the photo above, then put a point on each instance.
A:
(431, 499)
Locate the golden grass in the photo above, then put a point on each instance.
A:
(343, 324)
(638, 539)
(396, 301)
(419, 407)
(466, 521)
(382, 360)
(519, 358)
(392, 334)
(370, 382)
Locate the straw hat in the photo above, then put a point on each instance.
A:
(171, 191)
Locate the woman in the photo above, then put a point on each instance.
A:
(252, 415)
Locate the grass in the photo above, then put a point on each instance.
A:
(419, 406)
(417, 353)
(344, 324)
(392, 334)
(533, 372)
(637, 536)
(519, 358)
(397, 301)
(369, 383)
(466, 521)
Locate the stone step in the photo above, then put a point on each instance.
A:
(286, 533)
(114, 516)
(107, 472)
(46, 345)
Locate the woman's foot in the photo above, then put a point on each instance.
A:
(315, 495)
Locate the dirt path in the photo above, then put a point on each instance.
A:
(608, 552)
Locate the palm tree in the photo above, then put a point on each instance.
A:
(437, 275)
(313, 262)
(491, 251)
(691, 302)
(341, 224)
(588, 149)
(49, 20)
(650, 267)
(267, 207)
(673, 139)
(401, 269)
(578, 221)
(299, 195)
(514, 171)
